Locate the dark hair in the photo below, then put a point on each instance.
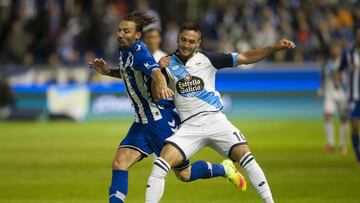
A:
(140, 19)
(190, 26)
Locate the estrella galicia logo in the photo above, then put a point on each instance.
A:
(189, 85)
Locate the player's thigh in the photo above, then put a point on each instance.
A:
(188, 139)
(125, 158)
(225, 137)
(329, 105)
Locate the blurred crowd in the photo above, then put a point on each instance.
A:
(71, 32)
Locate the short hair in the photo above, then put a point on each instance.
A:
(190, 26)
(140, 19)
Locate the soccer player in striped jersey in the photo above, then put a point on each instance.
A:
(191, 76)
(154, 122)
(350, 64)
(334, 100)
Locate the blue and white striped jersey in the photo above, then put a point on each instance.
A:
(136, 64)
(350, 64)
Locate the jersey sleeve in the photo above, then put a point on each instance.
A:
(145, 62)
(221, 60)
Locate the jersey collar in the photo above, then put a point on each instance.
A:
(132, 48)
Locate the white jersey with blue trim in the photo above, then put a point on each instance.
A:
(136, 64)
(193, 82)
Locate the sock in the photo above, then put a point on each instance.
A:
(205, 170)
(355, 143)
(342, 134)
(256, 176)
(329, 132)
(156, 182)
(119, 186)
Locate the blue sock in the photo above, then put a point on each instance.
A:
(355, 143)
(204, 170)
(119, 186)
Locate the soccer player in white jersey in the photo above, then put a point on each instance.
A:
(191, 75)
(152, 39)
(154, 121)
(335, 100)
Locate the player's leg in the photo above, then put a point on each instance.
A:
(132, 149)
(329, 108)
(199, 170)
(242, 155)
(124, 159)
(170, 156)
(228, 141)
(184, 172)
(354, 116)
(355, 138)
(343, 116)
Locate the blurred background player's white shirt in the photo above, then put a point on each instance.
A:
(333, 98)
(158, 54)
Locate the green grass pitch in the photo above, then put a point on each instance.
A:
(71, 162)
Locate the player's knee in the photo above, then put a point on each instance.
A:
(183, 175)
(121, 162)
(239, 151)
(119, 165)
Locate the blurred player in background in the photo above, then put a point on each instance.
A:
(350, 65)
(152, 39)
(153, 123)
(335, 100)
(192, 77)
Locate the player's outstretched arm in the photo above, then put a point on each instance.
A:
(101, 67)
(160, 89)
(256, 55)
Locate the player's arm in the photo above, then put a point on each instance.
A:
(148, 66)
(320, 91)
(101, 67)
(256, 55)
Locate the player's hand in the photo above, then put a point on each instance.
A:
(164, 62)
(162, 92)
(285, 44)
(100, 66)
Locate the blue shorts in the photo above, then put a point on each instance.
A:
(355, 110)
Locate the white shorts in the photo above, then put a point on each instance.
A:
(336, 102)
(211, 129)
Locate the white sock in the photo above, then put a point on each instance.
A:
(342, 134)
(256, 176)
(156, 182)
(329, 132)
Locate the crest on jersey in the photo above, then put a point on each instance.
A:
(187, 77)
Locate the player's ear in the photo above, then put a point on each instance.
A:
(198, 44)
(138, 35)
